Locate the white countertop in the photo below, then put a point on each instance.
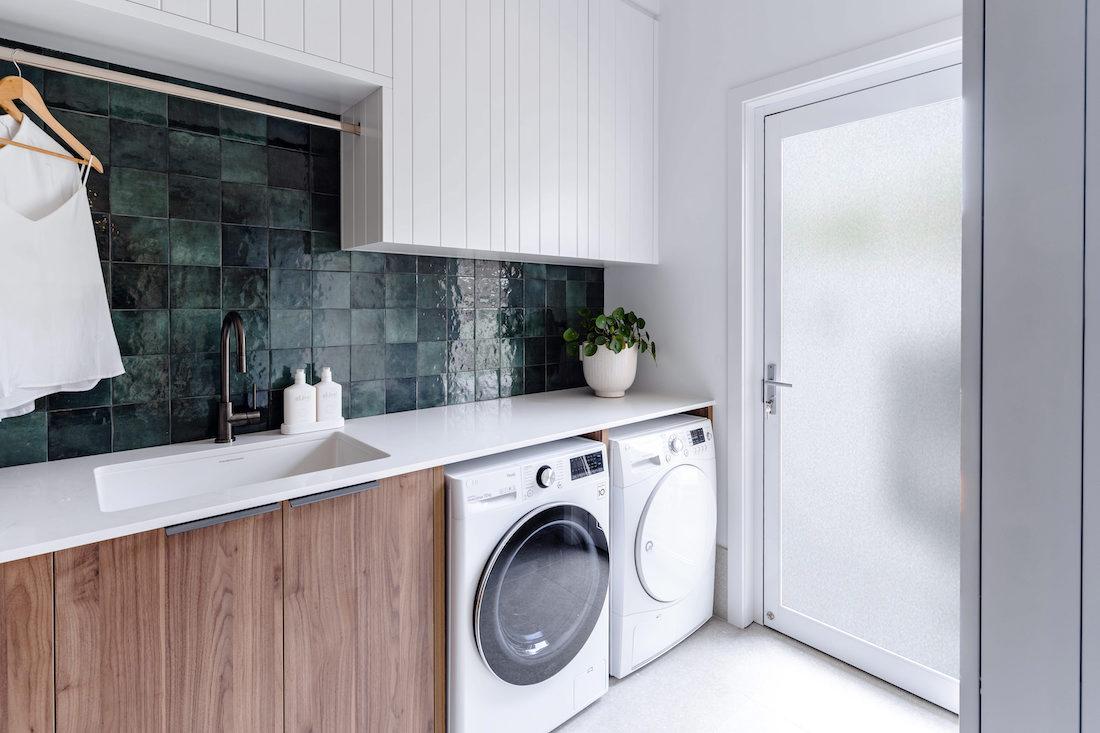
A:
(45, 507)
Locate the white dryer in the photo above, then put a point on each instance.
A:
(528, 577)
(663, 521)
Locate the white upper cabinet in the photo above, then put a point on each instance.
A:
(513, 126)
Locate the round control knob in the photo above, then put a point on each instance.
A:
(545, 477)
(676, 444)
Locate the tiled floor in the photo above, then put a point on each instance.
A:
(755, 681)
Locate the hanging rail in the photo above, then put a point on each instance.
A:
(176, 90)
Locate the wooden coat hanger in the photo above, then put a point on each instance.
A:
(16, 88)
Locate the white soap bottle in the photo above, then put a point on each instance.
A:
(329, 398)
(299, 401)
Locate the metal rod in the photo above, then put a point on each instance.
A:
(220, 519)
(345, 491)
(176, 90)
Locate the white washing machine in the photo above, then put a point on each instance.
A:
(528, 577)
(663, 522)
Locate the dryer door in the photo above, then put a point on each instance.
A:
(541, 594)
(675, 541)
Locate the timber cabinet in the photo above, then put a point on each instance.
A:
(321, 614)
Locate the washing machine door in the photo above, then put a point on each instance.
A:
(675, 540)
(541, 594)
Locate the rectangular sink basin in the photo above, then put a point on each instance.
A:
(223, 468)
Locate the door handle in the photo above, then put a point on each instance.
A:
(770, 384)
(334, 493)
(220, 519)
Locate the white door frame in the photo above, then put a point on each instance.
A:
(925, 49)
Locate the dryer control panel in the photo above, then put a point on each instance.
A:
(640, 456)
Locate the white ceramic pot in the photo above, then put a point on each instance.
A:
(610, 374)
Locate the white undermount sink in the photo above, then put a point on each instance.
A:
(221, 468)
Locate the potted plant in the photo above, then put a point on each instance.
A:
(609, 345)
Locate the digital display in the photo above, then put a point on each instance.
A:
(586, 465)
(697, 436)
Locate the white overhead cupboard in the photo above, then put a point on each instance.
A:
(520, 128)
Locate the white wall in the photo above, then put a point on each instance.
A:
(708, 47)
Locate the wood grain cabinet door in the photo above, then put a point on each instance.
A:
(26, 645)
(364, 609)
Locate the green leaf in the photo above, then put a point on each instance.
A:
(641, 325)
(618, 312)
(590, 349)
(570, 334)
(601, 321)
(653, 350)
(601, 340)
(643, 347)
(584, 313)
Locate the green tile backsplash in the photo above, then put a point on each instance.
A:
(202, 210)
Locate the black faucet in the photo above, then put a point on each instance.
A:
(226, 417)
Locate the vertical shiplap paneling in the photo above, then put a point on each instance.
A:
(383, 36)
(624, 69)
(425, 122)
(388, 166)
(223, 14)
(250, 18)
(584, 128)
(511, 125)
(549, 129)
(402, 122)
(194, 9)
(321, 28)
(568, 89)
(497, 116)
(641, 236)
(452, 123)
(529, 125)
(608, 150)
(357, 33)
(478, 122)
(283, 20)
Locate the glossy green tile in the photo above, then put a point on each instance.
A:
(101, 223)
(195, 242)
(431, 357)
(92, 130)
(511, 382)
(63, 91)
(368, 290)
(534, 293)
(511, 322)
(511, 352)
(400, 394)
(368, 262)
(462, 356)
(291, 329)
(575, 273)
(194, 155)
(138, 105)
(138, 192)
(368, 398)
(431, 391)
(511, 293)
(556, 272)
(244, 203)
(401, 290)
(97, 396)
(460, 388)
(287, 169)
(368, 326)
(256, 330)
(74, 433)
(185, 114)
(139, 286)
(285, 361)
(431, 290)
(325, 213)
(487, 324)
(194, 287)
(99, 192)
(431, 324)
(290, 249)
(139, 146)
(534, 379)
(511, 270)
(140, 425)
(139, 239)
(290, 288)
(461, 292)
(336, 358)
(331, 290)
(487, 385)
(325, 174)
(244, 246)
(326, 253)
(193, 418)
(289, 208)
(195, 331)
(400, 263)
(534, 271)
(323, 141)
(460, 324)
(401, 360)
(145, 380)
(194, 198)
(258, 375)
(534, 351)
(400, 325)
(244, 288)
(576, 294)
(368, 361)
(487, 292)
(555, 350)
(595, 296)
(195, 375)
(244, 162)
(287, 134)
(487, 269)
(141, 331)
(331, 327)
(487, 355)
(555, 293)
(245, 126)
(23, 439)
(593, 274)
(534, 322)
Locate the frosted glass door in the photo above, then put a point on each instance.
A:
(862, 317)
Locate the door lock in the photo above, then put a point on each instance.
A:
(770, 384)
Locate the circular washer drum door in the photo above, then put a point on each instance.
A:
(541, 594)
(675, 540)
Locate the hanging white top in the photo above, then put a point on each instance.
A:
(55, 325)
